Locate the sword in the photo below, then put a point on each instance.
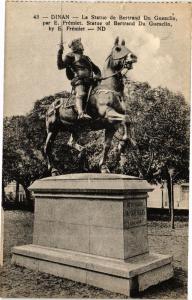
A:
(61, 38)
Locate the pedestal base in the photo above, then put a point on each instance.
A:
(116, 275)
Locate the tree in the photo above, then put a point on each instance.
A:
(22, 162)
(162, 124)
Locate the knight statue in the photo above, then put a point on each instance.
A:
(82, 72)
(106, 108)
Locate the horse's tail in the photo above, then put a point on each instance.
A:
(52, 114)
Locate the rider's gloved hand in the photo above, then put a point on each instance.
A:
(97, 78)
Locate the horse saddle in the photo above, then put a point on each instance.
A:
(64, 102)
(55, 106)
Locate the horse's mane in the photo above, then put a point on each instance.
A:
(110, 63)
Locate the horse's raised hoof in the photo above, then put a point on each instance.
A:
(54, 172)
(104, 169)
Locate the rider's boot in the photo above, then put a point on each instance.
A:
(79, 105)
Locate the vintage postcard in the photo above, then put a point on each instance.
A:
(96, 138)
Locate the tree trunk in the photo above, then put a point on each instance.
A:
(17, 193)
(28, 198)
(169, 188)
(172, 205)
(3, 196)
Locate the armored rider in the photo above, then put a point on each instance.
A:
(82, 72)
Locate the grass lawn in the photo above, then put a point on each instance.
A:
(21, 282)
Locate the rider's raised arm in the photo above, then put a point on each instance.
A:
(62, 63)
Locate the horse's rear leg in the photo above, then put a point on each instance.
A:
(48, 152)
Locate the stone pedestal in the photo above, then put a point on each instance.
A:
(92, 228)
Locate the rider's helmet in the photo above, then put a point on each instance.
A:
(76, 45)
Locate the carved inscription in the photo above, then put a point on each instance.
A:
(135, 213)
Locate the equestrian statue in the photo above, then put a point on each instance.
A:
(98, 100)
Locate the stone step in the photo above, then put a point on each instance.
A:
(115, 275)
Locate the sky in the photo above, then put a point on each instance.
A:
(31, 49)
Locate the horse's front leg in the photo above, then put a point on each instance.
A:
(125, 138)
(129, 142)
(109, 133)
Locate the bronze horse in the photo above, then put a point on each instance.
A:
(106, 106)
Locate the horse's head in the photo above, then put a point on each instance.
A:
(121, 57)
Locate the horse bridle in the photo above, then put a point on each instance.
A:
(114, 74)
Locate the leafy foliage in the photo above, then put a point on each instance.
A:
(162, 123)
(22, 161)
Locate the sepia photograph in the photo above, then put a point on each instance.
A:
(96, 145)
